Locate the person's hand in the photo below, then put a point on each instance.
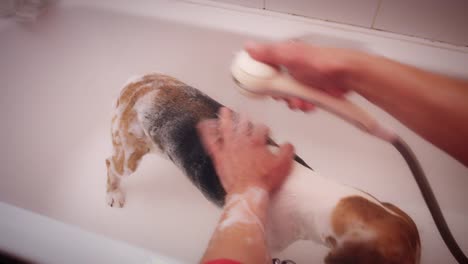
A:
(321, 68)
(240, 153)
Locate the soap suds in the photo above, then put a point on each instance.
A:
(237, 214)
(134, 79)
(135, 128)
(254, 193)
(239, 211)
(358, 231)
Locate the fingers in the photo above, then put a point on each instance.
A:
(260, 52)
(296, 103)
(307, 107)
(209, 135)
(284, 53)
(226, 125)
(336, 91)
(286, 151)
(239, 130)
(243, 125)
(284, 158)
(260, 134)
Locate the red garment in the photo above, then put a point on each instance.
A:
(222, 261)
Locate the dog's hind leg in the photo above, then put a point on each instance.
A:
(114, 195)
(130, 144)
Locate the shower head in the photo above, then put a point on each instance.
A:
(256, 79)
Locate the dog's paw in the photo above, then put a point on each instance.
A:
(115, 198)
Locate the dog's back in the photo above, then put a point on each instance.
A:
(168, 111)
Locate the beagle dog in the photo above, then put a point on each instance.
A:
(158, 113)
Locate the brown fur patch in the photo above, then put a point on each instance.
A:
(140, 145)
(396, 238)
(174, 97)
(128, 92)
(128, 98)
(110, 184)
(412, 226)
(136, 156)
(118, 160)
(357, 253)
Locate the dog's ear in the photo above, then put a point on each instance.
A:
(354, 253)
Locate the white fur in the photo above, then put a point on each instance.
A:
(303, 206)
(135, 128)
(115, 198)
(141, 107)
(134, 79)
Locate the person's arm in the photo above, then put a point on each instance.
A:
(240, 233)
(249, 173)
(432, 105)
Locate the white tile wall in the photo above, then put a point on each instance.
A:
(355, 12)
(433, 19)
(445, 21)
(248, 3)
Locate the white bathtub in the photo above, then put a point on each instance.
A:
(59, 78)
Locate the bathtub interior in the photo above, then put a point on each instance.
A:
(60, 77)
